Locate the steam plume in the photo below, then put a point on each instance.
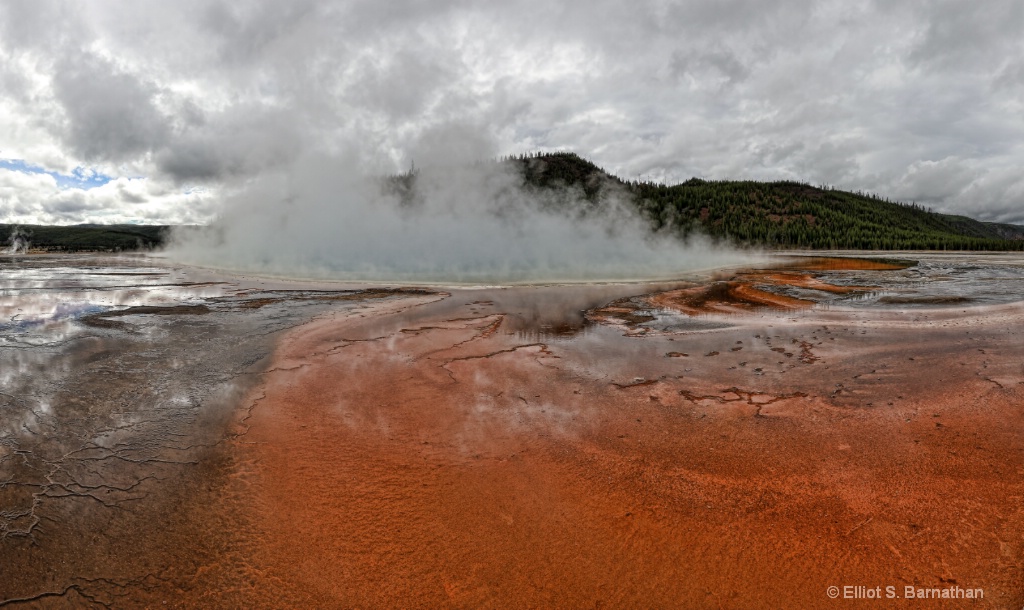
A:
(18, 241)
(468, 223)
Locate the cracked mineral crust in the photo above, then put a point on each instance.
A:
(242, 443)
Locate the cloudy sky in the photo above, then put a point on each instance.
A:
(147, 111)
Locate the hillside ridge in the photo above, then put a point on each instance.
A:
(780, 214)
(783, 214)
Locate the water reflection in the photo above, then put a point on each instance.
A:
(930, 280)
(41, 294)
(801, 286)
(940, 280)
(93, 414)
(116, 375)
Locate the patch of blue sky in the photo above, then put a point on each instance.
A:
(79, 178)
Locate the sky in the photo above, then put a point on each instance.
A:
(158, 112)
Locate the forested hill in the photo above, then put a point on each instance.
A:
(777, 214)
(76, 238)
(772, 214)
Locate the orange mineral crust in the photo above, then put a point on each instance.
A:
(842, 263)
(725, 297)
(745, 291)
(802, 280)
(451, 451)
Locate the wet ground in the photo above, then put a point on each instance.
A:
(742, 441)
(119, 380)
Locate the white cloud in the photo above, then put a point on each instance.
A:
(915, 100)
(35, 198)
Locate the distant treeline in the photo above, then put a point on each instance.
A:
(85, 238)
(773, 214)
(777, 214)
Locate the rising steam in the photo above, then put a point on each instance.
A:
(474, 223)
(18, 241)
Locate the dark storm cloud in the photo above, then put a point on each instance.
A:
(246, 32)
(230, 145)
(962, 35)
(917, 100)
(71, 203)
(111, 115)
(47, 24)
(696, 65)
